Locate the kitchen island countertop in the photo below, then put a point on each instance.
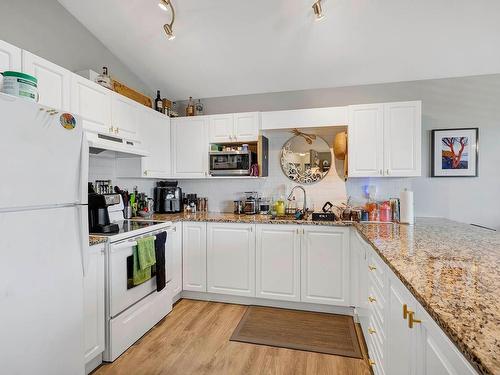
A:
(451, 268)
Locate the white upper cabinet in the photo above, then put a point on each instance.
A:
(246, 126)
(10, 57)
(385, 139)
(155, 134)
(325, 265)
(53, 81)
(221, 128)
(237, 127)
(402, 139)
(366, 140)
(190, 146)
(93, 103)
(231, 259)
(125, 117)
(278, 262)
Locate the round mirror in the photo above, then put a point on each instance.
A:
(306, 160)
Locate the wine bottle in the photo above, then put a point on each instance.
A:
(158, 102)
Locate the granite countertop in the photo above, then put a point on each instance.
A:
(452, 269)
(95, 240)
(234, 218)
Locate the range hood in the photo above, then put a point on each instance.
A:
(120, 147)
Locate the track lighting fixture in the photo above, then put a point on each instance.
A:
(166, 5)
(318, 11)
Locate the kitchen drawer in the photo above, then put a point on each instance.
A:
(376, 303)
(376, 270)
(379, 333)
(133, 323)
(378, 362)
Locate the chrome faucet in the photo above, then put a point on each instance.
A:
(305, 196)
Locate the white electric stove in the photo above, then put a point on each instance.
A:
(131, 310)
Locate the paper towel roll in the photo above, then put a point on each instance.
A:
(407, 215)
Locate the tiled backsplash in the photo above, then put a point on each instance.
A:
(222, 192)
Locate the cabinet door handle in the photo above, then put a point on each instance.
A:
(372, 268)
(371, 331)
(372, 299)
(412, 320)
(381, 172)
(111, 129)
(145, 173)
(405, 311)
(388, 172)
(371, 362)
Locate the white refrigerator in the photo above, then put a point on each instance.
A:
(43, 239)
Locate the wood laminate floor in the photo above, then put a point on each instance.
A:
(194, 339)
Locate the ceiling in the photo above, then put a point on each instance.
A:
(233, 47)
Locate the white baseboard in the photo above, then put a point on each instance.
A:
(212, 297)
(93, 364)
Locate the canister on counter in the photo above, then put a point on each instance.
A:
(364, 215)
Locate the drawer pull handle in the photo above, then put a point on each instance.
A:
(372, 268)
(371, 331)
(372, 299)
(371, 362)
(412, 320)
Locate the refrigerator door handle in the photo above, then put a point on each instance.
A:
(82, 212)
(84, 170)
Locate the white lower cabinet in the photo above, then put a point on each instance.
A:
(436, 354)
(194, 256)
(93, 294)
(231, 259)
(401, 337)
(174, 257)
(401, 346)
(325, 265)
(277, 258)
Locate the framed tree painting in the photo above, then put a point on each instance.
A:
(455, 152)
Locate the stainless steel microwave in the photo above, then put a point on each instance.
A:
(231, 163)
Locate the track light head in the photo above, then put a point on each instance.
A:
(318, 11)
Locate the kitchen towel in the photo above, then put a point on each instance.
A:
(144, 258)
(146, 252)
(139, 275)
(161, 276)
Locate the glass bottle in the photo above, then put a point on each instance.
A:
(190, 107)
(158, 102)
(199, 108)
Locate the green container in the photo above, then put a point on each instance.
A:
(20, 84)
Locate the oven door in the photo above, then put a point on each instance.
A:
(232, 163)
(122, 292)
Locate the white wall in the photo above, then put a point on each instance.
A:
(46, 29)
(447, 103)
(104, 168)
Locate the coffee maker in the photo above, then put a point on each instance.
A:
(167, 197)
(98, 213)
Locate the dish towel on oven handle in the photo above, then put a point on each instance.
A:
(144, 259)
(161, 277)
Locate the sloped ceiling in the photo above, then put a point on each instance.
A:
(233, 47)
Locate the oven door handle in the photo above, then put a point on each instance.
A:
(126, 244)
